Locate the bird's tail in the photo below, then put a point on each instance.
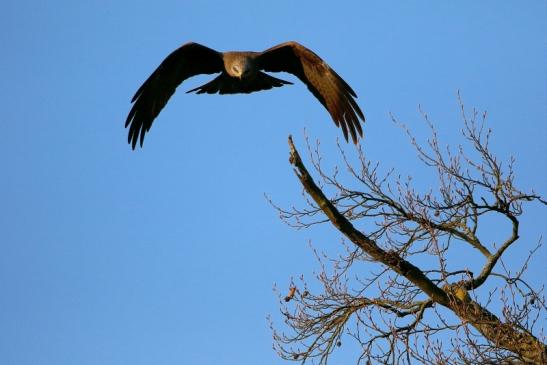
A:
(224, 84)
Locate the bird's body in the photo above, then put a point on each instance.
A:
(241, 72)
(240, 75)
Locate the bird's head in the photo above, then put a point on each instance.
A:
(240, 68)
(236, 71)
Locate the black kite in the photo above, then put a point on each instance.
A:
(240, 72)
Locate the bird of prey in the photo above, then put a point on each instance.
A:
(241, 72)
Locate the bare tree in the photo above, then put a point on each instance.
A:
(418, 306)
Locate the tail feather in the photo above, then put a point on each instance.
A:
(225, 84)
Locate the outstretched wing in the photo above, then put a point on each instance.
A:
(329, 88)
(189, 60)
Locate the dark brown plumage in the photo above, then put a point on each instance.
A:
(240, 72)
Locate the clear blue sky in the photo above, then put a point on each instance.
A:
(168, 254)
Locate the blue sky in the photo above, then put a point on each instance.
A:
(168, 254)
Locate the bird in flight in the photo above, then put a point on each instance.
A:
(241, 72)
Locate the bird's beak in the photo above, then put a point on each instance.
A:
(244, 74)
